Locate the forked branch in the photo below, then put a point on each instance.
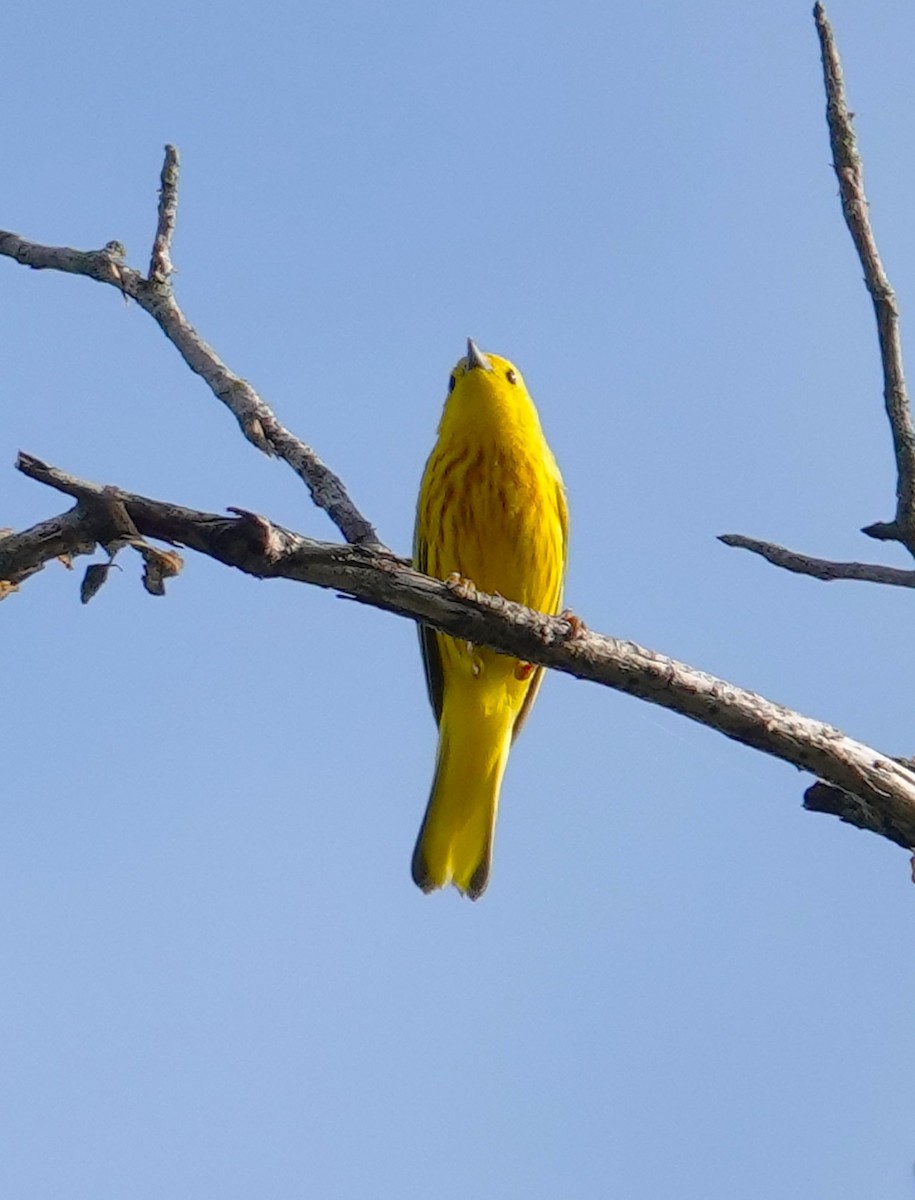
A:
(155, 295)
(880, 792)
(861, 785)
(850, 175)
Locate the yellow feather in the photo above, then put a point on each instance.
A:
(492, 509)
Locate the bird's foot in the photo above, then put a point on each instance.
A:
(576, 625)
(461, 586)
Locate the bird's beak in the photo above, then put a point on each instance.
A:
(476, 357)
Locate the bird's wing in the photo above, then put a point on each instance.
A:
(428, 639)
(562, 512)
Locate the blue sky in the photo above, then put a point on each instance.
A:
(218, 979)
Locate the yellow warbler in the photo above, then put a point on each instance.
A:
(492, 510)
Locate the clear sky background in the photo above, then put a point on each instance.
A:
(216, 977)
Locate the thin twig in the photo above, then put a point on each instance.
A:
(850, 174)
(820, 568)
(160, 263)
(253, 544)
(155, 296)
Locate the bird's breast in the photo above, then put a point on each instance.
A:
(490, 513)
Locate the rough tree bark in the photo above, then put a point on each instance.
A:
(860, 785)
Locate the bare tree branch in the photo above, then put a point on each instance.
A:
(850, 174)
(155, 296)
(258, 547)
(22, 554)
(857, 783)
(824, 798)
(160, 263)
(820, 568)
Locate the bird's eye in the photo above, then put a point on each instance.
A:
(451, 382)
(511, 376)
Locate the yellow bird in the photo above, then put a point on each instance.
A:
(491, 510)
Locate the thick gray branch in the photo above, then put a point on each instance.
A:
(22, 554)
(155, 296)
(825, 798)
(254, 545)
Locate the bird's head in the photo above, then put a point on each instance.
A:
(483, 373)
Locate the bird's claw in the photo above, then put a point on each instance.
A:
(576, 625)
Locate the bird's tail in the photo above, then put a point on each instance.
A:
(455, 839)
